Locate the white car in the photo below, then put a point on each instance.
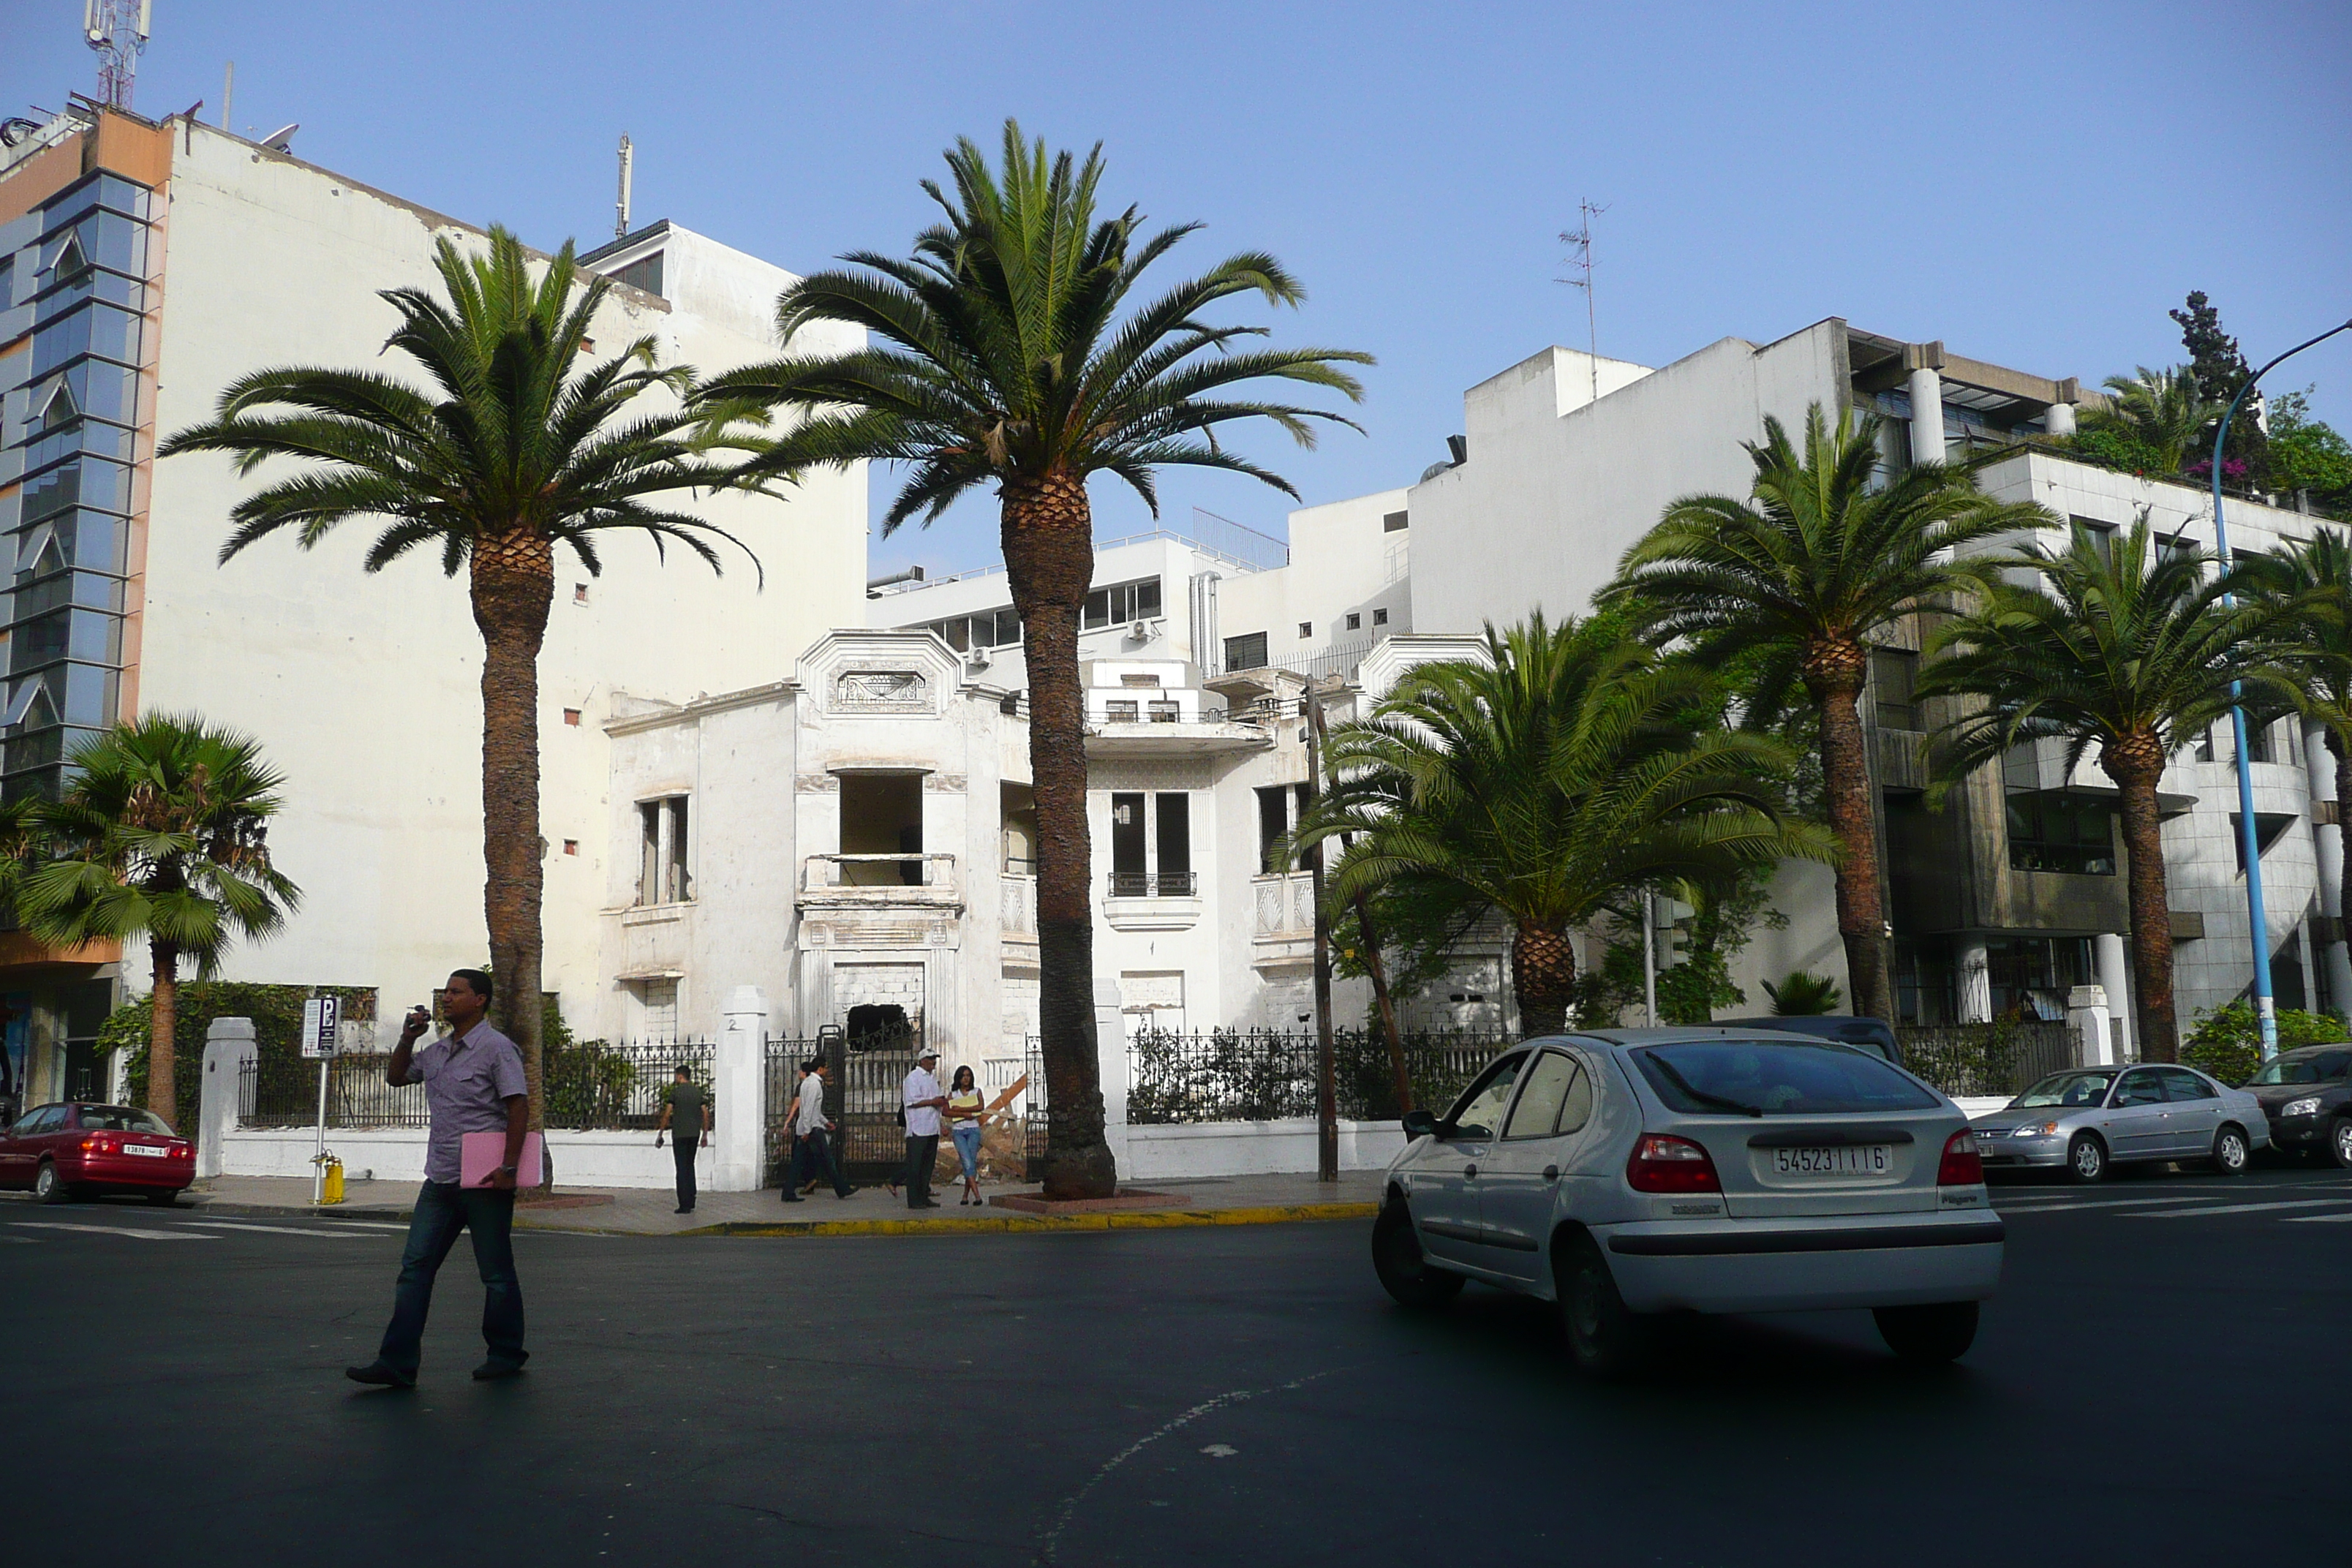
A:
(1629, 1173)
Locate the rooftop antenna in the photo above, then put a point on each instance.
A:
(116, 30)
(628, 163)
(1580, 261)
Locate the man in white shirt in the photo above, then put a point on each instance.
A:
(811, 1152)
(924, 1099)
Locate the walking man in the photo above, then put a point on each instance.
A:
(811, 1152)
(473, 1083)
(924, 1099)
(686, 1110)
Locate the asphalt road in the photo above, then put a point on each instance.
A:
(2152, 1386)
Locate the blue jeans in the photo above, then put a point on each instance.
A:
(967, 1143)
(443, 1209)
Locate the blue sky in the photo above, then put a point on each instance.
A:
(2035, 186)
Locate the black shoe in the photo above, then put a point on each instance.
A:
(844, 1191)
(681, 1211)
(490, 1370)
(925, 1203)
(792, 1197)
(375, 1374)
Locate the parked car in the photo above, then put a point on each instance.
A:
(2088, 1121)
(1624, 1173)
(1874, 1034)
(2307, 1095)
(71, 1149)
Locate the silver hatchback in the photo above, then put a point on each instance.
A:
(2089, 1121)
(1626, 1174)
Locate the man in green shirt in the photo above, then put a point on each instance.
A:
(686, 1117)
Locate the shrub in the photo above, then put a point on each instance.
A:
(2228, 1042)
(1802, 995)
(277, 1015)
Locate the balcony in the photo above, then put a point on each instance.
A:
(901, 880)
(1282, 927)
(1017, 908)
(1162, 734)
(1154, 884)
(1153, 900)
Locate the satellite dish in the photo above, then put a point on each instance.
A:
(282, 139)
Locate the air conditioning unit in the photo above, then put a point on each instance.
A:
(1143, 628)
(977, 659)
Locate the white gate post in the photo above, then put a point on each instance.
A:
(739, 1091)
(228, 1046)
(1110, 1064)
(2086, 1010)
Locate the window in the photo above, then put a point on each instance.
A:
(657, 1011)
(2205, 745)
(1273, 822)
(71, 263)
(1355, 621)
(1816, 1077)
(1395, 521)
(644, 273)
(571, 846)
(1148, 680)
(662, 875)
(1246, 652)
(2140, 1089)
(1379, 618)
(1134, 873)
(2259, 747)
(1129, 875)
(579, 593)
(572, 717)
(1125, 601)
(1480, 1109)
(2180, 1084)
(2060, 831)
(1306, 631)
(1538, 1107)
(2103, 539)
(1165, 710)
(2268, 826)
(60, 410)
(1894, 676)
(1175, 877)
(1123, 713)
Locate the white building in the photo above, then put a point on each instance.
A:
(143, 267)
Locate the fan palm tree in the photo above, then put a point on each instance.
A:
(1795, 583)
(1546, 782)
(1012, 352)
(2125, 651)
(163, 832)
(511, 451)
(2161, 410)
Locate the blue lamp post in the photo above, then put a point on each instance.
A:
(2258, 922)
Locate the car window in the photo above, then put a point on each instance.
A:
(2066, 1088)
(2140, 1089)
(48, 1119)
(121, 1119)
(1577, 1108)
(1537, 1110)
(1476, 1114)
(2323, 1067)
(2179, 1083)
(1788, 1076)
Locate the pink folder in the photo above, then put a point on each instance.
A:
(479, 1153)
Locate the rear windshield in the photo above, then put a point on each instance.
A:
(1778, 1078)
(2066, 1088)
(2322, 1069)
(120, 1119)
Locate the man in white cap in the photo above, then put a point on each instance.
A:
(924, 1099)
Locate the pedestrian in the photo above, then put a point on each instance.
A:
(686, 1111)
(473, 1083)
(922, 1099)
(811, 1152)
(964, 1107)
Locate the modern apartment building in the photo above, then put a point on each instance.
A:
(144, 266)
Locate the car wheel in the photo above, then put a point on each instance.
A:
(1928, 1334)
(48, 1187)
(1403, 1272)
(2087, 1159)
(2339, 1142)
(2231, 1157)
(1607, 1338)
(163, 1198)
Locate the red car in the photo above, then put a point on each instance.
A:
(64, 1151)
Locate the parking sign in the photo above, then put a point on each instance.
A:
(322, 1018)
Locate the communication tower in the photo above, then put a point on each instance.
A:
(116, 30)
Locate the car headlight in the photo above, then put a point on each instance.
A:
(2307, 1106)
(2038, 1130)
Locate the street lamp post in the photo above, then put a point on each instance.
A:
(2258, 921)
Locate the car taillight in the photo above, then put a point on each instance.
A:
(184, 1151)
(1962, 1166)
(1662, 1163)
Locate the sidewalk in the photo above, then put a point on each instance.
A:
(870, 1210)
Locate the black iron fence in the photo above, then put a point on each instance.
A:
(284, 1092)
(1266, 1075)
(782, 1083)
(593, 1086)
(1988, 1058)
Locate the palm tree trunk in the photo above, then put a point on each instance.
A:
(162, 1032)
(1835, 682)
(2343, 838)
(513, 585)
(1543, 968)
(2135, 765)
(1377, 967)
(1049, 554)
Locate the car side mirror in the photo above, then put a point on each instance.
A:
(1420, 1124)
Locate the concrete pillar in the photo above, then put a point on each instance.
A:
(1975, 981)
(2114, 979)
(1110, 1061)
(228, 1046)
(2087, 1011)
(2333, 962)
(2060, 419)
(739, 1136)
(1926, 386)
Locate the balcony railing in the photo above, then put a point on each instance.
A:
(1154, 884)
(1017, 905)
(880, 874)
(1284, 906)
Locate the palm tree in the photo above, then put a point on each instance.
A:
(510, 452)
(1010, 352)
(2159, 409)
(1796, 582)
(2310, 586)
(1546, 782)
(2125, 649)
(163, 832)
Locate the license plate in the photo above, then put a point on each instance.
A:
(148, 1151)
(1835, 1160)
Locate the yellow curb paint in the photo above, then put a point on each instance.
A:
(1150, 1219)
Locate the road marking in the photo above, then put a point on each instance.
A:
(272, 1229)
(2317, 1219)
(23, 1240)
(2098, 1203)
(115, 1230)
(2241, 1208)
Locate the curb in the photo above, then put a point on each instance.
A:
(1148, 1219)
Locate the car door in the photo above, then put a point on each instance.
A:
(12, 1165)
(1519, 1186)
(1441, 1184)
(2136, 1121)
(24, 1145)
(2193, 1113)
